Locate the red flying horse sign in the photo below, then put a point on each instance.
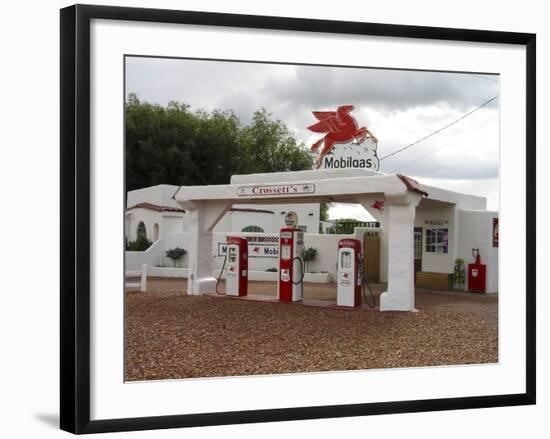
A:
(340, 127)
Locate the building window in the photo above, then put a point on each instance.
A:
(437, 240)
(252, 229)
(418, 244)
(141, 230)
(302, 228)
(156, 230)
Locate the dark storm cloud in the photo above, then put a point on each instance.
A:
(246, 87)
(386, 90)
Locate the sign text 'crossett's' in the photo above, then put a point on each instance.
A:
(276, 189)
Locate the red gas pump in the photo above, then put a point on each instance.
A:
(348, 291)
(476, 274)
(236, 258)
(291, 266)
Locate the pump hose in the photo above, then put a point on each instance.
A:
(301, 269)
(363, 283)
(220, 276)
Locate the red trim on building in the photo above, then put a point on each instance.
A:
(238, 209)
(156, 208)
(412, 184)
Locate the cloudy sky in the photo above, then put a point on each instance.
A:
(399, 107)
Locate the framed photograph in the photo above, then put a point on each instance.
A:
(274, 218)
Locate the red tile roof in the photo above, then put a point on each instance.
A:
(156, 207)
(238, 209)
(412, 184)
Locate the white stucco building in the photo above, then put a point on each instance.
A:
(157, 209)
(423, 229)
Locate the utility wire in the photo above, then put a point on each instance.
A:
(440, 129)
(443, 146)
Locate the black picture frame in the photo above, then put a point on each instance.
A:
(75, 217)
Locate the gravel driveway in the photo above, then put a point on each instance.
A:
(171, 335)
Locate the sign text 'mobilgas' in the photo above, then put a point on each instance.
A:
(347, 162)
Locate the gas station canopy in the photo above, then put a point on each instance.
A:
(206, 206)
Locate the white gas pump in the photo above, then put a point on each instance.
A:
(290, 286)
(349, 273)
(236, 258)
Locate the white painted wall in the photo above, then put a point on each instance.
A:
(308, 215)
(150, 257)
(467, 229)
(167, 222)
(475, 227)
(435, 211)
(148, 217)
(160, 195)
(235, 221)
(239, 220)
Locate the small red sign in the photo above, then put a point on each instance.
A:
(378, 205)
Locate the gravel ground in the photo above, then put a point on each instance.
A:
(171, 335)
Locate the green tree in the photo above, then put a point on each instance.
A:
(175, 254)
(172, 144)
(139, 245)
(346, 226)
(270, 147)
(323, 211)
(309, 254)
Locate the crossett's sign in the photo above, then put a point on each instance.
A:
(276, 189)
(344, 144)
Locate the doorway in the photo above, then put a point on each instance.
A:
(371, 252)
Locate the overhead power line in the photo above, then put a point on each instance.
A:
(487, 102)
(443, 146)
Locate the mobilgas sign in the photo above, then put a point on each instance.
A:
(344, 144)
(258, 247)
(276, 189)
(332, 162)
(254, 250)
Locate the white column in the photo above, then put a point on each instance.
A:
(399, 231)
(383, 248)
(202, 219)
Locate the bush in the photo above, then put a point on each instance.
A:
(139, 245)
(272, 269)
(459, 271)
(308, 255)
(175, 254)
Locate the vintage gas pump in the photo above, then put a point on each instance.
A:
(236, 283)
(290, 287)
(349, 275)
(476, 274)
